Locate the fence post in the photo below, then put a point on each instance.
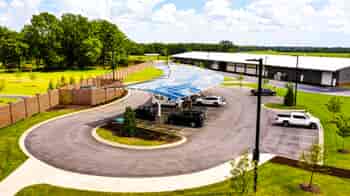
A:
(11, 113)
(26, 106)
(105, 95)
(49, 94)
(38, 99)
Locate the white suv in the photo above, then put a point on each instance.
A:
(211, 100)
(298, 119)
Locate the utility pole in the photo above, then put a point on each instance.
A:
(296, 81)
(256, 153)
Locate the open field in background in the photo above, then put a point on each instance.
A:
(145, 58)
(11, 156)
(146, 74)
(274, 179)
(30, 83)
(4, 100)
(316, 54)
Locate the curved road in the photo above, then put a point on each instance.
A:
(67, 143)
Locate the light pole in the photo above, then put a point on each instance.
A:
(296, 80)
(256, 153)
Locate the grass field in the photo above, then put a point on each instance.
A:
(37, 82)
(108, 135)
(274, 179)
(146, 74)
(4, 100)
(146, 58)
(316, 54)
(9, 137)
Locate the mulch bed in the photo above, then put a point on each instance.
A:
(328, 170)
(143, 134)
(312, 189)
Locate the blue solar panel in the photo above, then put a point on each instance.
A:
(182, 81)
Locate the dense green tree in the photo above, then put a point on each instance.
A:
(44, 35)
(12, 49)
(91, 51)
(289, 97)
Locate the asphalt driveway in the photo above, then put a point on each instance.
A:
(67, 143)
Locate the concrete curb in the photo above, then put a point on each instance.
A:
(118, 145)
(282, 110)
(26, 133)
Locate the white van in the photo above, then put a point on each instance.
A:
(165, 101)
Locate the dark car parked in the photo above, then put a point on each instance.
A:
(187, 118)
(146, 113)
(264, 92)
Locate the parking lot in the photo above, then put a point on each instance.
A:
(227, 132)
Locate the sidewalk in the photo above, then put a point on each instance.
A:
(36, 172)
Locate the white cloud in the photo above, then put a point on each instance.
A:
(282, 22)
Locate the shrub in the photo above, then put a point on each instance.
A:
(71, 80)
(32, 76)
(129, 125)
(63, 81)
(51, 85)
(289, 97)
(2, 84)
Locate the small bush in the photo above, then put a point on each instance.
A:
(2, 84)
(129, 125)
(71, 80)
(51, 85)
(63, 81)
(289, 97)
(32, 76)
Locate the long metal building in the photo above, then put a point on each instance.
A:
(321, 71)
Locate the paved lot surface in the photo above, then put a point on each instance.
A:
(67, 143)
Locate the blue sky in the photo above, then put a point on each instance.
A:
(245, 22)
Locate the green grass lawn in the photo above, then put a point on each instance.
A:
(37, 82)
(5, 100)
(316, 54)
(9, 137)
(132, 141)
(274, 179)
(146, 74)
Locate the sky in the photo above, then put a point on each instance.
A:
(244, 22)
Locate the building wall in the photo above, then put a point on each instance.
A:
(344, 76)
(310, 76)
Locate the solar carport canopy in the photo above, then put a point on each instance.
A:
(181, 81)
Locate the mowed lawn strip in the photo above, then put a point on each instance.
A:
(132, 141)
(274, 179)
(9, 138)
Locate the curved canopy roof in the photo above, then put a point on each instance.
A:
(181, 81)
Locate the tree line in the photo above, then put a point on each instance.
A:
(71, 41)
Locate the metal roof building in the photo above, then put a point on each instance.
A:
(311, 70)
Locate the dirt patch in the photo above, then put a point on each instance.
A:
(343, 151)
(312, 189)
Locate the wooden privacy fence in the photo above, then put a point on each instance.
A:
(104, 89)
(14, 112)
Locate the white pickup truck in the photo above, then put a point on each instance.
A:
(297, 119)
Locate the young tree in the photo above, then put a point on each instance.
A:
(51, 85)
(343, 124)
(241, 178)
(289, 97)
(129, 125)
(240, 79)
(334, 106)
(310, 161)
(63, 81)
